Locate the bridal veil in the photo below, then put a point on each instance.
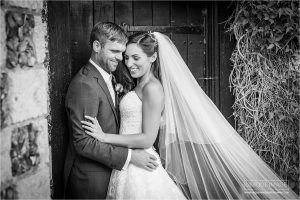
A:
(201, 151)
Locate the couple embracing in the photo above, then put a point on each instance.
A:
(201, 155)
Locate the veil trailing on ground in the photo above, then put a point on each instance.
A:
(201, 151)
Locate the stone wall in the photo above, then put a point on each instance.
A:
(25, 166)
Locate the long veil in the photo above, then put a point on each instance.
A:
(201, 151)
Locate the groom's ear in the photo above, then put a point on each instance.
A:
(96, 46)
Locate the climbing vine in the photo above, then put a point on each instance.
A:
(266, 82)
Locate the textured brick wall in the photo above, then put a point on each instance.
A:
(25, 166)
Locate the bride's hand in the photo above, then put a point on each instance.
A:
(91, 127)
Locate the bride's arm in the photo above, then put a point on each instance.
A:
(153, 103)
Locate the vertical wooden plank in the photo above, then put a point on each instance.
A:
(179, 18)
(227, 46)
(196, 47)
(161, 13)
(216, 69)
(212, 50)
(142, 13)
(59, 78)
(81, 24)
(123, 12)
(104, 11)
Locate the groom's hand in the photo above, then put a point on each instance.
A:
(143, 159)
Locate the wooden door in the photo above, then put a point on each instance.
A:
(192, 26)
(195, 27)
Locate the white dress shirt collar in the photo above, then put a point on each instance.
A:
(106, 76)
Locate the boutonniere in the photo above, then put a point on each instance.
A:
(121, 90)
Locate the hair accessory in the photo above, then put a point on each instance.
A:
(152, 36)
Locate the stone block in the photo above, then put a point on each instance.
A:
(29, 147)
(24, 151)
(2, 39)
(36, 5)
(5, 166)
(21, 50)
(40, 32)
(27, 95)
(5, 137)
(35, 186)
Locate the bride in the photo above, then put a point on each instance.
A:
(199, 150)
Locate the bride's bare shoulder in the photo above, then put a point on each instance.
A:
(153, 89)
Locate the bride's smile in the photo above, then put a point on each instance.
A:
(138, 62)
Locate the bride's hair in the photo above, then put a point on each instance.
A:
(148, 43)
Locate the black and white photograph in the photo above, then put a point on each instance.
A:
(150, 100)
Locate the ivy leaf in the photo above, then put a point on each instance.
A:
(288, 11)
(259, 16)
(259, 7)
(270, 4)
(279, 38)
(271, 40)
(293, 5)
(287, 49)
(266, 16)
(270, 46)
(278, 28)
(280, 12)
(288, 29)
(254, 33)
(261, 29)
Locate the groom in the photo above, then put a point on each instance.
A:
(89, 162)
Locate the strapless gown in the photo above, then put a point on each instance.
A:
(135, 182)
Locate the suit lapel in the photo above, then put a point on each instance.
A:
(104, 87)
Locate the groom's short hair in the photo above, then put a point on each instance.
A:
(103, 31)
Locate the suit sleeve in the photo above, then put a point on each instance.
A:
(82, 99)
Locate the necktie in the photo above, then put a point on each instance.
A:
(114, 82)
(111, 88)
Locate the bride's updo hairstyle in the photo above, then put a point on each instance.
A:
(148, 43)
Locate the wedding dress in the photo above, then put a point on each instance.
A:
(135, 182)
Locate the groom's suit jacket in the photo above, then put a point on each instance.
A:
(88, 162)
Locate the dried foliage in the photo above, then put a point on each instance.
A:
(266, 82)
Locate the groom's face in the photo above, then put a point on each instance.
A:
(110, 55)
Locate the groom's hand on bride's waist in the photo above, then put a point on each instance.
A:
(143, 159)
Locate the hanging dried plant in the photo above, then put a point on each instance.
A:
(266, 82)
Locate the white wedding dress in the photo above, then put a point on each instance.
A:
(135, 182)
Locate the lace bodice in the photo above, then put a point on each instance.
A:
(136, 182)
(131, 114)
